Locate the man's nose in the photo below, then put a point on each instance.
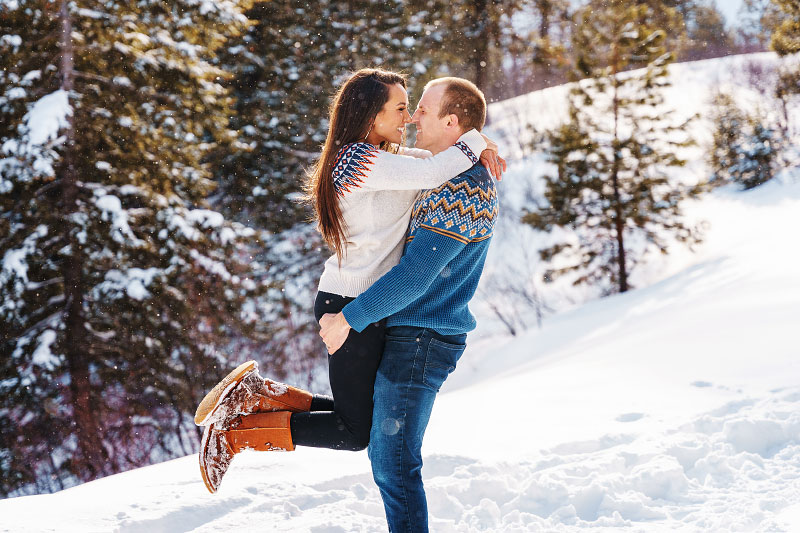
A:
(415, 117)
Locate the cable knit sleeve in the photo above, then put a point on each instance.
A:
(363, 166)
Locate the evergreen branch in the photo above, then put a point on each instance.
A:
(32, 286)
(91, 76)
(19, 205)
(40, 324)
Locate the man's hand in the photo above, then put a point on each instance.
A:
(495, 164)
(334, 331)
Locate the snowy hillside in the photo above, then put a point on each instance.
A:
(674, 407)
(514, 251)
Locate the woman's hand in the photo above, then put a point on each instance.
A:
(490, 158)
(334, 332)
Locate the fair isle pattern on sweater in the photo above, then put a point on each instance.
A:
(460, 209)
(461, 145)
(442, 263)
(351, 165)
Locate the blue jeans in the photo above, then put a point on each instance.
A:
(416, 361)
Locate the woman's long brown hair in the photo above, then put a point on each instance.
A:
(352, 114)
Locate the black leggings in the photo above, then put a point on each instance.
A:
(343, 422)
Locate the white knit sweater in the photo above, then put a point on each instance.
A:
(376, 192)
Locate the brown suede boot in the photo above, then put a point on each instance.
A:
(260, 431)
(244, 391)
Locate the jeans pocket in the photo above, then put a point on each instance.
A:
(397, 360)
(440, 361)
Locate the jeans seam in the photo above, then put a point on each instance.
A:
(403, 435)
(425, 368)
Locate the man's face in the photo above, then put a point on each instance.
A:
(433, 133)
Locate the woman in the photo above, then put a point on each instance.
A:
(363, 189)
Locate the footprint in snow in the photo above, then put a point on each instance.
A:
(629, 417)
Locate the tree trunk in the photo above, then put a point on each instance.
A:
(481, 54)
(545, 12)
(90, 450)
(619, 222)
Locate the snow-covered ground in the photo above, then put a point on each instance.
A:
(674, 407)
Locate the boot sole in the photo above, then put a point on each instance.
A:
(220, 391)
(203, 446)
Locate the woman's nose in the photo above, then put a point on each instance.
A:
(406, 117)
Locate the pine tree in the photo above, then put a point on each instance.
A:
(760, 151)
(119, 290)
(467, 38)
(729, 123)
(746, 146)
(671, 16)
(760, 19)
(786, 39)
(538, 52)
(614, 153)
(706, 32)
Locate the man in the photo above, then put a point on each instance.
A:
(425, 298)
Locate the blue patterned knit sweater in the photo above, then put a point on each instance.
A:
(451, 227)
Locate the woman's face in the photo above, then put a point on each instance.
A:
(390, 123)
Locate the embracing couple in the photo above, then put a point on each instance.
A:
(410, 229)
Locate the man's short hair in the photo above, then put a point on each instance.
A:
(463, 99)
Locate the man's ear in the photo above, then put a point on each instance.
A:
(452, 120)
